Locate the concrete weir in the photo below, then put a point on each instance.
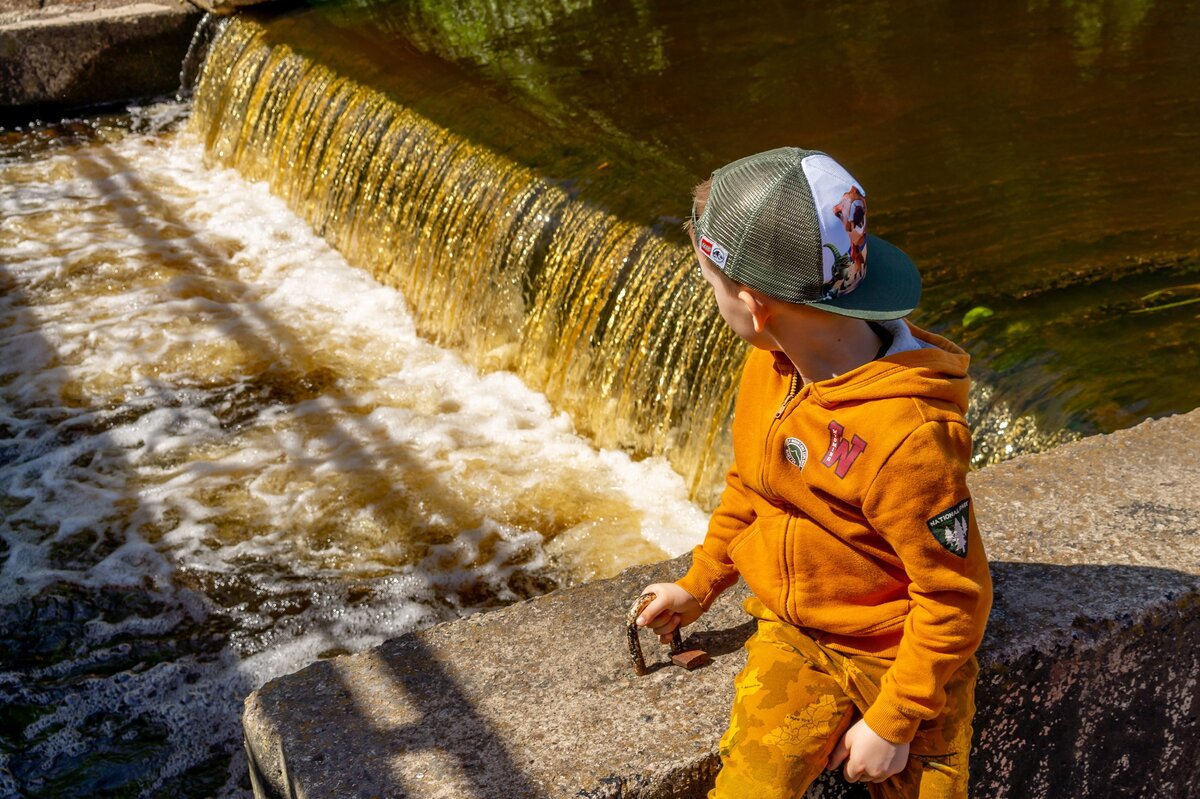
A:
(62, 55)
(1089, 684)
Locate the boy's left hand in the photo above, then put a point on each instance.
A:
(868, 757)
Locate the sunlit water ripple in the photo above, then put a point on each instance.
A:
(225, 453)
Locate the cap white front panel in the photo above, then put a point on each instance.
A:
(836, 192)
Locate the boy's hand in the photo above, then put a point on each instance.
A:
(671, 607)
(868, 757)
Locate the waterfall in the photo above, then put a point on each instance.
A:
(608, 317)
(503, 238)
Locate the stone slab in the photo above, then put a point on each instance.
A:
(71, 55)
(226, 7)
(1089, 683)
(50, 8)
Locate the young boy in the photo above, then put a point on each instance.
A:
(846, 510)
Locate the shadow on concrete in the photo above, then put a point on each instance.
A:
(1087, 688)
(449, 736)
(442, 702)
(718, 643)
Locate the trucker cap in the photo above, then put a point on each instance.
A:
(792, 224)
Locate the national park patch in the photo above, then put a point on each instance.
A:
(795, 451)
(950, 527)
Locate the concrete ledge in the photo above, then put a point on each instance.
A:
(68, 56)
(1089, 684)
(226, 7)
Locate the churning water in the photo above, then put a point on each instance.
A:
(226, 453)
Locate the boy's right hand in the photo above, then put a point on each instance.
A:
(671, 607)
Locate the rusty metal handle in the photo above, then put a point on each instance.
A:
(635, 644)
(689, 659)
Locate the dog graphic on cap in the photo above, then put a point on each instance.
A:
(849, 267)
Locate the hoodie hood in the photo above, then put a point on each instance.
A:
(918, 364)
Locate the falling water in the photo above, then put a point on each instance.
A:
(225, 452)
(608, 317)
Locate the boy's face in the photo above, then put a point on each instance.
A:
(733, 309)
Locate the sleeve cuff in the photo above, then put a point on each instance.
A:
(707, 578)
(888, 722)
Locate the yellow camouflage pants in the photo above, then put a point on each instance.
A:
(796, 698)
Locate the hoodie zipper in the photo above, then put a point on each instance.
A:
(793, 390)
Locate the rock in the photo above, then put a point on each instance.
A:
(690, 659)
(1088, 684)
(70, 55)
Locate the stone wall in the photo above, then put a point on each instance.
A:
(1088, 686)
(61, 55)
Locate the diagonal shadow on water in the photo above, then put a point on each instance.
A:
(108, 670)
(49, 649)
(138, 208)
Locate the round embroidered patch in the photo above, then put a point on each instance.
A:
(796, 453)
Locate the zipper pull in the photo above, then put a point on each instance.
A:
(793, 387)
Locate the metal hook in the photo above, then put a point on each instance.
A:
(688, 659)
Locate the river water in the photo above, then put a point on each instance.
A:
(550, 145)
(230, 445)
(226, 453)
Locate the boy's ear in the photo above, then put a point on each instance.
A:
(759, 311)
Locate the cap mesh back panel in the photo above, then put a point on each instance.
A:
(791, 238)
(762, 211)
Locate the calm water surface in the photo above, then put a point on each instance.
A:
(1038, 160)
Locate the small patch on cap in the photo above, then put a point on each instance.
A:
(715, 252)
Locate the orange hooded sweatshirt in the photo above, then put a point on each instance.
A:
(847, 514)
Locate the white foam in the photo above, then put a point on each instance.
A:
(197, 390)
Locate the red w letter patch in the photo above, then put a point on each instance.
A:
(841, 453)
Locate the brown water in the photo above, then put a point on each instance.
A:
(205, 411)
(548, 154)
(226, 453)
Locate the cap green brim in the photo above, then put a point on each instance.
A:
(890, 290)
